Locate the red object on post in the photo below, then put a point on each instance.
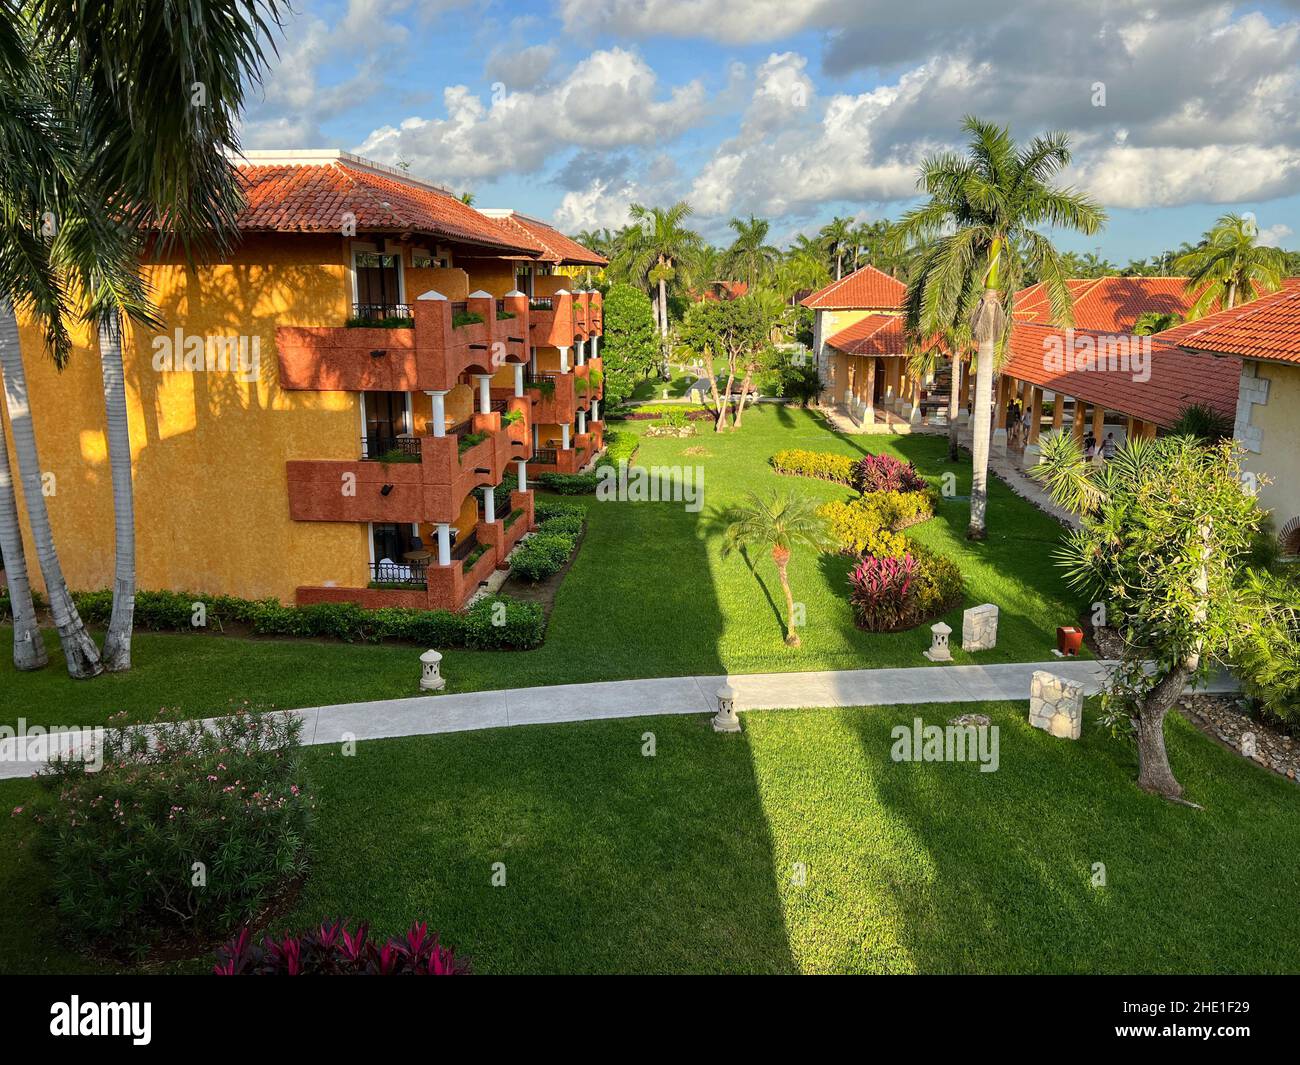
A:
(1069, 640)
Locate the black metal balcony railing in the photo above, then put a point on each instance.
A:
(399, 574)
(380, 312)
(541, 303)
(390, 448)
(545, 455)
(461, 428)
(464, 547)
(537, 379)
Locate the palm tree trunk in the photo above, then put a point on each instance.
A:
(29, 648)
(954, 408)
(663, 309)
(78, 648)
(981, 426)
(839, 263)
(782, 564)
(117, 644)
(1232, 294)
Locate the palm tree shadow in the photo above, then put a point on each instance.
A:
(758, 577)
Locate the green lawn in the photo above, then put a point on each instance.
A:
(683, 862)
(649, 595)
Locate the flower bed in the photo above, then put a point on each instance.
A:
(819, 464)
(333, 950)
(890, 593)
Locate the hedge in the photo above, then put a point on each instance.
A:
(838, 468)
(522, 627)
(650, 411)
(544, 554)
(619, 447)
(568, 484)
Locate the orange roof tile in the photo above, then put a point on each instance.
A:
(867, 288)
(1110, 304)
(1171, 378)
(315, 197)
(876, 334)
(556, 247)
(1266, 328)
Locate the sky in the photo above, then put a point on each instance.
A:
(799, 110)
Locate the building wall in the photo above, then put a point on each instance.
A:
(208, 448)
(831, 366)
(1271, 433)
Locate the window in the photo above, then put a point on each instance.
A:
(392, 541)
(386, 418)
(379, 278)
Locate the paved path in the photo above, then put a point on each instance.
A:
(426, 715)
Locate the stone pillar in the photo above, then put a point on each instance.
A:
(444, 543)
(519, 379)
(914, 408)
(564, 436)
(1098, 422)
(1080, 412)
(581, 351)
(439, 417)
(1058, 411)
(870, 413)
(1056, 705)
(489, 504)
(595, 410)
(564, 360)
(1032, 451)
(595, 347)
(522, 474)
(484, 392)
(582, 421)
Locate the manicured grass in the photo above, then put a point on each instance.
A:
(649, 595)
(685, 861)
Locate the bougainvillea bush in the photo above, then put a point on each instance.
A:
(884, 473)
(183, 832)
(334, 950)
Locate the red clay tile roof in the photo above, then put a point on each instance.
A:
(876, 334)
(1178, 378)
(720, 290)
(313, 198)
(863, 289)
(1109, 304)
(1267, 328)
(556, 247)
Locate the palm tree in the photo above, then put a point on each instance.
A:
(1230, 266)
(750, 258)
(467, 198)
(29, 648)
(1152, 322)
(981, 215)
(655, 248)
(779, 523)
(836, 236)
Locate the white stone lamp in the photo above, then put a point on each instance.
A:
(725, 720)
(939, 650)
(431, 678)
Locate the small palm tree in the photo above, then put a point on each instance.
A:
(1152, 322)
(750, 258)
(780, 523)
(836, 238)
(1229, 266)
(981, 216)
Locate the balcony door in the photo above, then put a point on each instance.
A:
(387, 416)
(379, 282)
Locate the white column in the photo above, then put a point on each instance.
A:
(523, 475)
(484, 393)
(444, 543)
(595, 410)
(564, 360)
(537, 436)
(595, 347)
(532, 360)
(439, 417)
(489, 504)
(564, 436)
(519, 379)
(582, 421)
(582, 353)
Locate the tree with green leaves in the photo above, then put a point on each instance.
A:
(731, 330)
(630, 349)
(980, 236)
(1151, 322)
(656, 250)
(837, 238)
(750, 258)
(1164, 529)
(780, 523)
(1230, 266)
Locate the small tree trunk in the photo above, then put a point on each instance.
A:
(726, 399)
(954, 409)
(29, 648)
(713, 390)
(117, 642)
(1154, 772)
(782, 559)
(744, 391)
(78, 648)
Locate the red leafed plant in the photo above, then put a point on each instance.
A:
(882, 592)
(334, 950)
(884, 473)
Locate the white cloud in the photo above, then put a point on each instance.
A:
(1163, 177)
(611, 99)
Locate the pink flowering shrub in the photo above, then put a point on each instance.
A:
(333, 950)
(183, 832)
(884, 473)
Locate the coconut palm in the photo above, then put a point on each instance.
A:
(1230, 266)
(1151, 322)
(836, 238)
(981, 216)
(780, 523)
(750, 258)
(655, 249)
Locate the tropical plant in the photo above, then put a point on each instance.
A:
(1151, 322)
(884, 473)
(1164, 529)
(1203, 422)
(1230, 266)
(750, 258)
(981, 218)
(655, 250)
(780, 523)
(1266, 651)
(332, 949)
(736, 330)
(836, 236)
(881, 591)
(629, 347)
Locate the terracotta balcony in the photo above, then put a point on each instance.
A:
(443, 341)
(438, 587)
(427, 484)
(556, 398)
(595, 314)
(551, 320)
(582, 386)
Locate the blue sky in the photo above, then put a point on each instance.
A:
(1179, 110)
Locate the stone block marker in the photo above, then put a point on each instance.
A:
(1056, 705)
(979, 628)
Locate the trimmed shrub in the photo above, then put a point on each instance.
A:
(124, 844)
(620, 446)
(820, 464)
(333, 950)
(870, 524)
(568, 484)
(544, 509)
(884, 473)
(649, 411)
(540, 556)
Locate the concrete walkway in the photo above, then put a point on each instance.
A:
(427, 715)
